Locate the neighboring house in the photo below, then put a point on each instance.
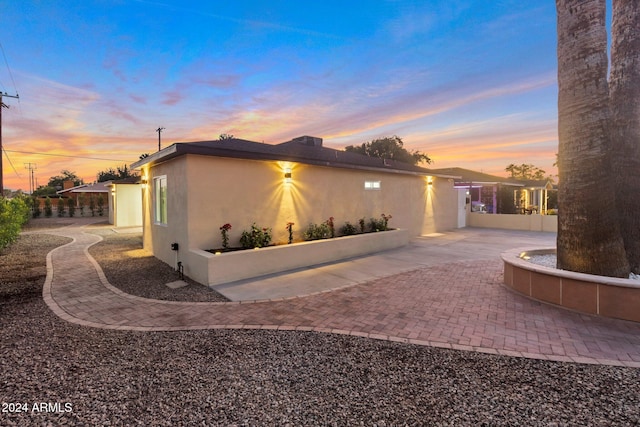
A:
(125, 202)
(192, 189)
(482, 192)
(534, 196)
(87, 191)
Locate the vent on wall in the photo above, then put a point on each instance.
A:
(312, 141)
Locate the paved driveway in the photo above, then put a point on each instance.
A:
(443, 290)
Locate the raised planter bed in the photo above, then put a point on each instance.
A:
(211, 269)
(587, 293)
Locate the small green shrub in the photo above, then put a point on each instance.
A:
(60, 207)
(317, 231)
(81, 202)
(92, 205)
(35, 207)
(71, 205)
(362, 224)
(256, 237)
(348, 229)
(48, 211)
(100, 203)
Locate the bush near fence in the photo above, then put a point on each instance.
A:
(14, 213)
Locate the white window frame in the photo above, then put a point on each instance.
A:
(372, 185)
(160, 200)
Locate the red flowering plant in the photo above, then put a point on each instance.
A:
(332, 229)
(224, 230)
(385, 220)
(290, 230)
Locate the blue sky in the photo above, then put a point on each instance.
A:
(471, 83)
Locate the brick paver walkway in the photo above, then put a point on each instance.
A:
(460, 305)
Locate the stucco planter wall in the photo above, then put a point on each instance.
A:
(604, 296)
(211, 269)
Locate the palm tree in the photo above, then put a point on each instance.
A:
(624, 85)
(589, 239)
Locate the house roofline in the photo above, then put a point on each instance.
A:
(179, 149)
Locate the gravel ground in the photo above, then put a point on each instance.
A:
(229, 377)
(122, 258)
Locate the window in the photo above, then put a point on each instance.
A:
(372, 185)
(160, 199)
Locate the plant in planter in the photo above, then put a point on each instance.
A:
(348, 229)
(256, 237)
(380, 224)
(290, 230)
(332, 229)
(317, 231)
(363, 227)
(224, 230)
(385, 219)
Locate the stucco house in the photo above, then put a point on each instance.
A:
(191, 189)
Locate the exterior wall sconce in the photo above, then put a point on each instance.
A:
(287, 175)
(144, 179)
(430, 182)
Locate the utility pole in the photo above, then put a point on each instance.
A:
(31, 167)
(159, 130)
(3, 105)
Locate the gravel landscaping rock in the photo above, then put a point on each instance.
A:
(244, 377)
(137, 272)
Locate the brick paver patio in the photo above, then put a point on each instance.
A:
(459, 305)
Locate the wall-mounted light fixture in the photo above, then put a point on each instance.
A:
(287, 175)
(144, 179)
(429, 181)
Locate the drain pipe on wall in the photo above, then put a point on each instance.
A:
(179, 267)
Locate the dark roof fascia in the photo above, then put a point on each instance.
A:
(179, 149)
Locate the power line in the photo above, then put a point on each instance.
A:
(11, 163)
(9, 69)
(66, 155)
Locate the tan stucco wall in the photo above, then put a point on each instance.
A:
(206, 192)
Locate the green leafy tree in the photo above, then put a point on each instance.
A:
(45, 190)
(14, 214)
(389, 148)
(65, 175)
(525, 171)
(114, 174)
(225, 136)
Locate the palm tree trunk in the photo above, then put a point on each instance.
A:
(589, 240)
(624, 85)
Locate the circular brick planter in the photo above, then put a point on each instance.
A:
(604, 296)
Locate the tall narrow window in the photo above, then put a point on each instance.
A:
(160, 199)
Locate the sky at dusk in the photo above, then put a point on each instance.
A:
(471, 83)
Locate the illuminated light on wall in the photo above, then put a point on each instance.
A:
(287, 176)
(429, 180)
